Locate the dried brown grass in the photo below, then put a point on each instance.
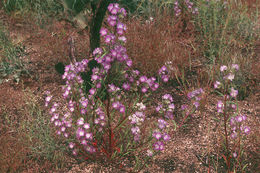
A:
(12, 152)
(151, 44)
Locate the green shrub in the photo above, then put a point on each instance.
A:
(224, 29)
(41, 10)
(11, 62)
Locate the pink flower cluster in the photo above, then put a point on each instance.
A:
(72, 76)
(137, 119)
(48, 98)
(114, 9)
(228, 72)
(191, 7)
(229, 105)
(188, 5)
(117, 51)
(84, 135)
(166, 107)
(177, 9)
(237, 127)
(62, 123)
(160, 135)
(164, 73)
(196, 96)
(144, 83)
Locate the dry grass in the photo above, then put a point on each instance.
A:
(152, 43)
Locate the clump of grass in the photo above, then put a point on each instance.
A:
(38, 137)
(224, 28)
(11, 62)
(12, 150)
(29, 143)
(41, 10)
(227, 34)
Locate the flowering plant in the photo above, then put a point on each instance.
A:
(184, 6)
(229, 110)
(108, 120)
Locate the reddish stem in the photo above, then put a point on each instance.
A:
(226, 134)
(239, 148)
(186, 116)
(109, 128)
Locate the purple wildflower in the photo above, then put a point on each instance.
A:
(149, 153)
(183, 107)
(165, 78)
(166, 137)
(247, 130)
(196, 104)
(158, 108)
(235, 66)
(103, 32)
(143, 79)
(135, 130)
(217, 84)
(243, 117)
(233, 135)
(84, 142)
(220, 106)
(162, 123)
(158, 146)
(86, 126)
(92, 91)
(223, 68)
(239, 118)
(232, 121)
(126, 86)
(120, 31)
(108, 39)
(115, 105)
(80, 132)
(123, 11)
(122, 38)
(144, 89)
(157, 135)
(97, 51)
(230, 76)
(80, 121)
(71, 145)
(233, 92)
(122, 109)
(129, 63)
(167, 97)
(89, 136)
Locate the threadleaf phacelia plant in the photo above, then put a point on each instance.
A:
(235, 131)
(107, 120)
